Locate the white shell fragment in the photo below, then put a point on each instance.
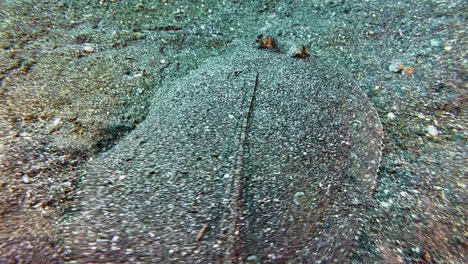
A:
(432, 131)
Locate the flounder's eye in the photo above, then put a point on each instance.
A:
(267, 43)
(302, 53)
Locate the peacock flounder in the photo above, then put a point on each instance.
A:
(255, 157)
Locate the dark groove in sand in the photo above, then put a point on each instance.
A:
(238, 176)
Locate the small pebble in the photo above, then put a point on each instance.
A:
(435, 42)
(432, 130)
(252, 258)
(299, 198)
(386, 204)
(271, 256)
(461, 184)
(391, 115)
(25, 179)
(415, 217)
(88, 49)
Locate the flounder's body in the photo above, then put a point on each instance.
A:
(253, 158)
